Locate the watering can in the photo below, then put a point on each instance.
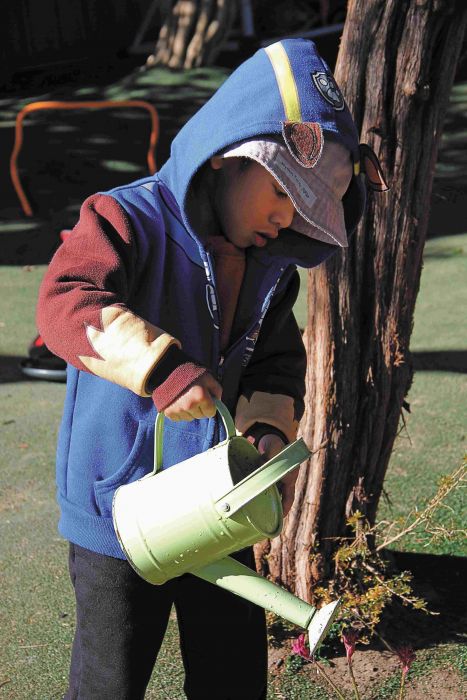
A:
(189, 518)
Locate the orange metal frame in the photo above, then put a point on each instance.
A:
(98, 104)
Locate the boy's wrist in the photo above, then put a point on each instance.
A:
(259, 430)
(172, 376)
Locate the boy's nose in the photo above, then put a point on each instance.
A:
(283, 215)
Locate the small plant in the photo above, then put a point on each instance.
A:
(406, 657)
(362, 576)
(365, 584)
(299, 647)
(350, 639)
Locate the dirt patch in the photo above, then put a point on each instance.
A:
(372, 669)
(369, 667)
(437, 685)
(440, 580)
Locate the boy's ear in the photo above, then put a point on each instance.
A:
(217, 162)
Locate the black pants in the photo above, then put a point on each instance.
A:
(122, 619)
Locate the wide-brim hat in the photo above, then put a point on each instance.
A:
(316, 191)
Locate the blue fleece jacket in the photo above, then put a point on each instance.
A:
(135, 277)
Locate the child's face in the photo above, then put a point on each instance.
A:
(250, 204)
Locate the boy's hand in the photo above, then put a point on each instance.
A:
(270, 446)
(197, 402)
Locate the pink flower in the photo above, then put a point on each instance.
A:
(350, 638)
(299, 647)
(406, 657)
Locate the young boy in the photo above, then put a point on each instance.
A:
(171, 291)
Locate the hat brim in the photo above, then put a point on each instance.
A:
(319, 214)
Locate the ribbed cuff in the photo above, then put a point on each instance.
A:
(172, 377)
(258, 430)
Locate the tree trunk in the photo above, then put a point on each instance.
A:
(395, 67)
(193, 33)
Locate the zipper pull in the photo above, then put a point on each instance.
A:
(220, 367)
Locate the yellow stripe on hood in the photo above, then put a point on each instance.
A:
(286, 81)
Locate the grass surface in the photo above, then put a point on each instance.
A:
(435, 438)
(37, 610)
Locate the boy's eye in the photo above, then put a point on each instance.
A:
(281, 194)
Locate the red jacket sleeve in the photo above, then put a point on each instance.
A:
(82, 311)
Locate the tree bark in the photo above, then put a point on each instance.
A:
(193, 33)
(395, 67)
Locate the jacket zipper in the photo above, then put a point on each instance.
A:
(223, 357)
(220, 367)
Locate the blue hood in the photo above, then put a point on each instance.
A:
(276, 85)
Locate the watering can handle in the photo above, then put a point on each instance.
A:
(262, 478)
(159, 432)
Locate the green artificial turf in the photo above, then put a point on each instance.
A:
(435, 438)
(37, 610)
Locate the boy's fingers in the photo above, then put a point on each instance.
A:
(188, 415)
(270, 445)
(197, 402)
(208, 408)
(196, 412)
(211, 389)
(182, 415)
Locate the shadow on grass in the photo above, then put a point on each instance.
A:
(440, 581)
(10, 370)
(67, 156)
(449, 194)
(17, 369)
(29, 245)
(442, 360)
(443, 252)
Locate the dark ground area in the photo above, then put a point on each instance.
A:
(440, 580)
(67, 156)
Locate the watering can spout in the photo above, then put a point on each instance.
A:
(237, 578)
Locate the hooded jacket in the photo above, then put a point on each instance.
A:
(135, 279)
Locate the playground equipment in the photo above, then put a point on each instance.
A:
(64, 105)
